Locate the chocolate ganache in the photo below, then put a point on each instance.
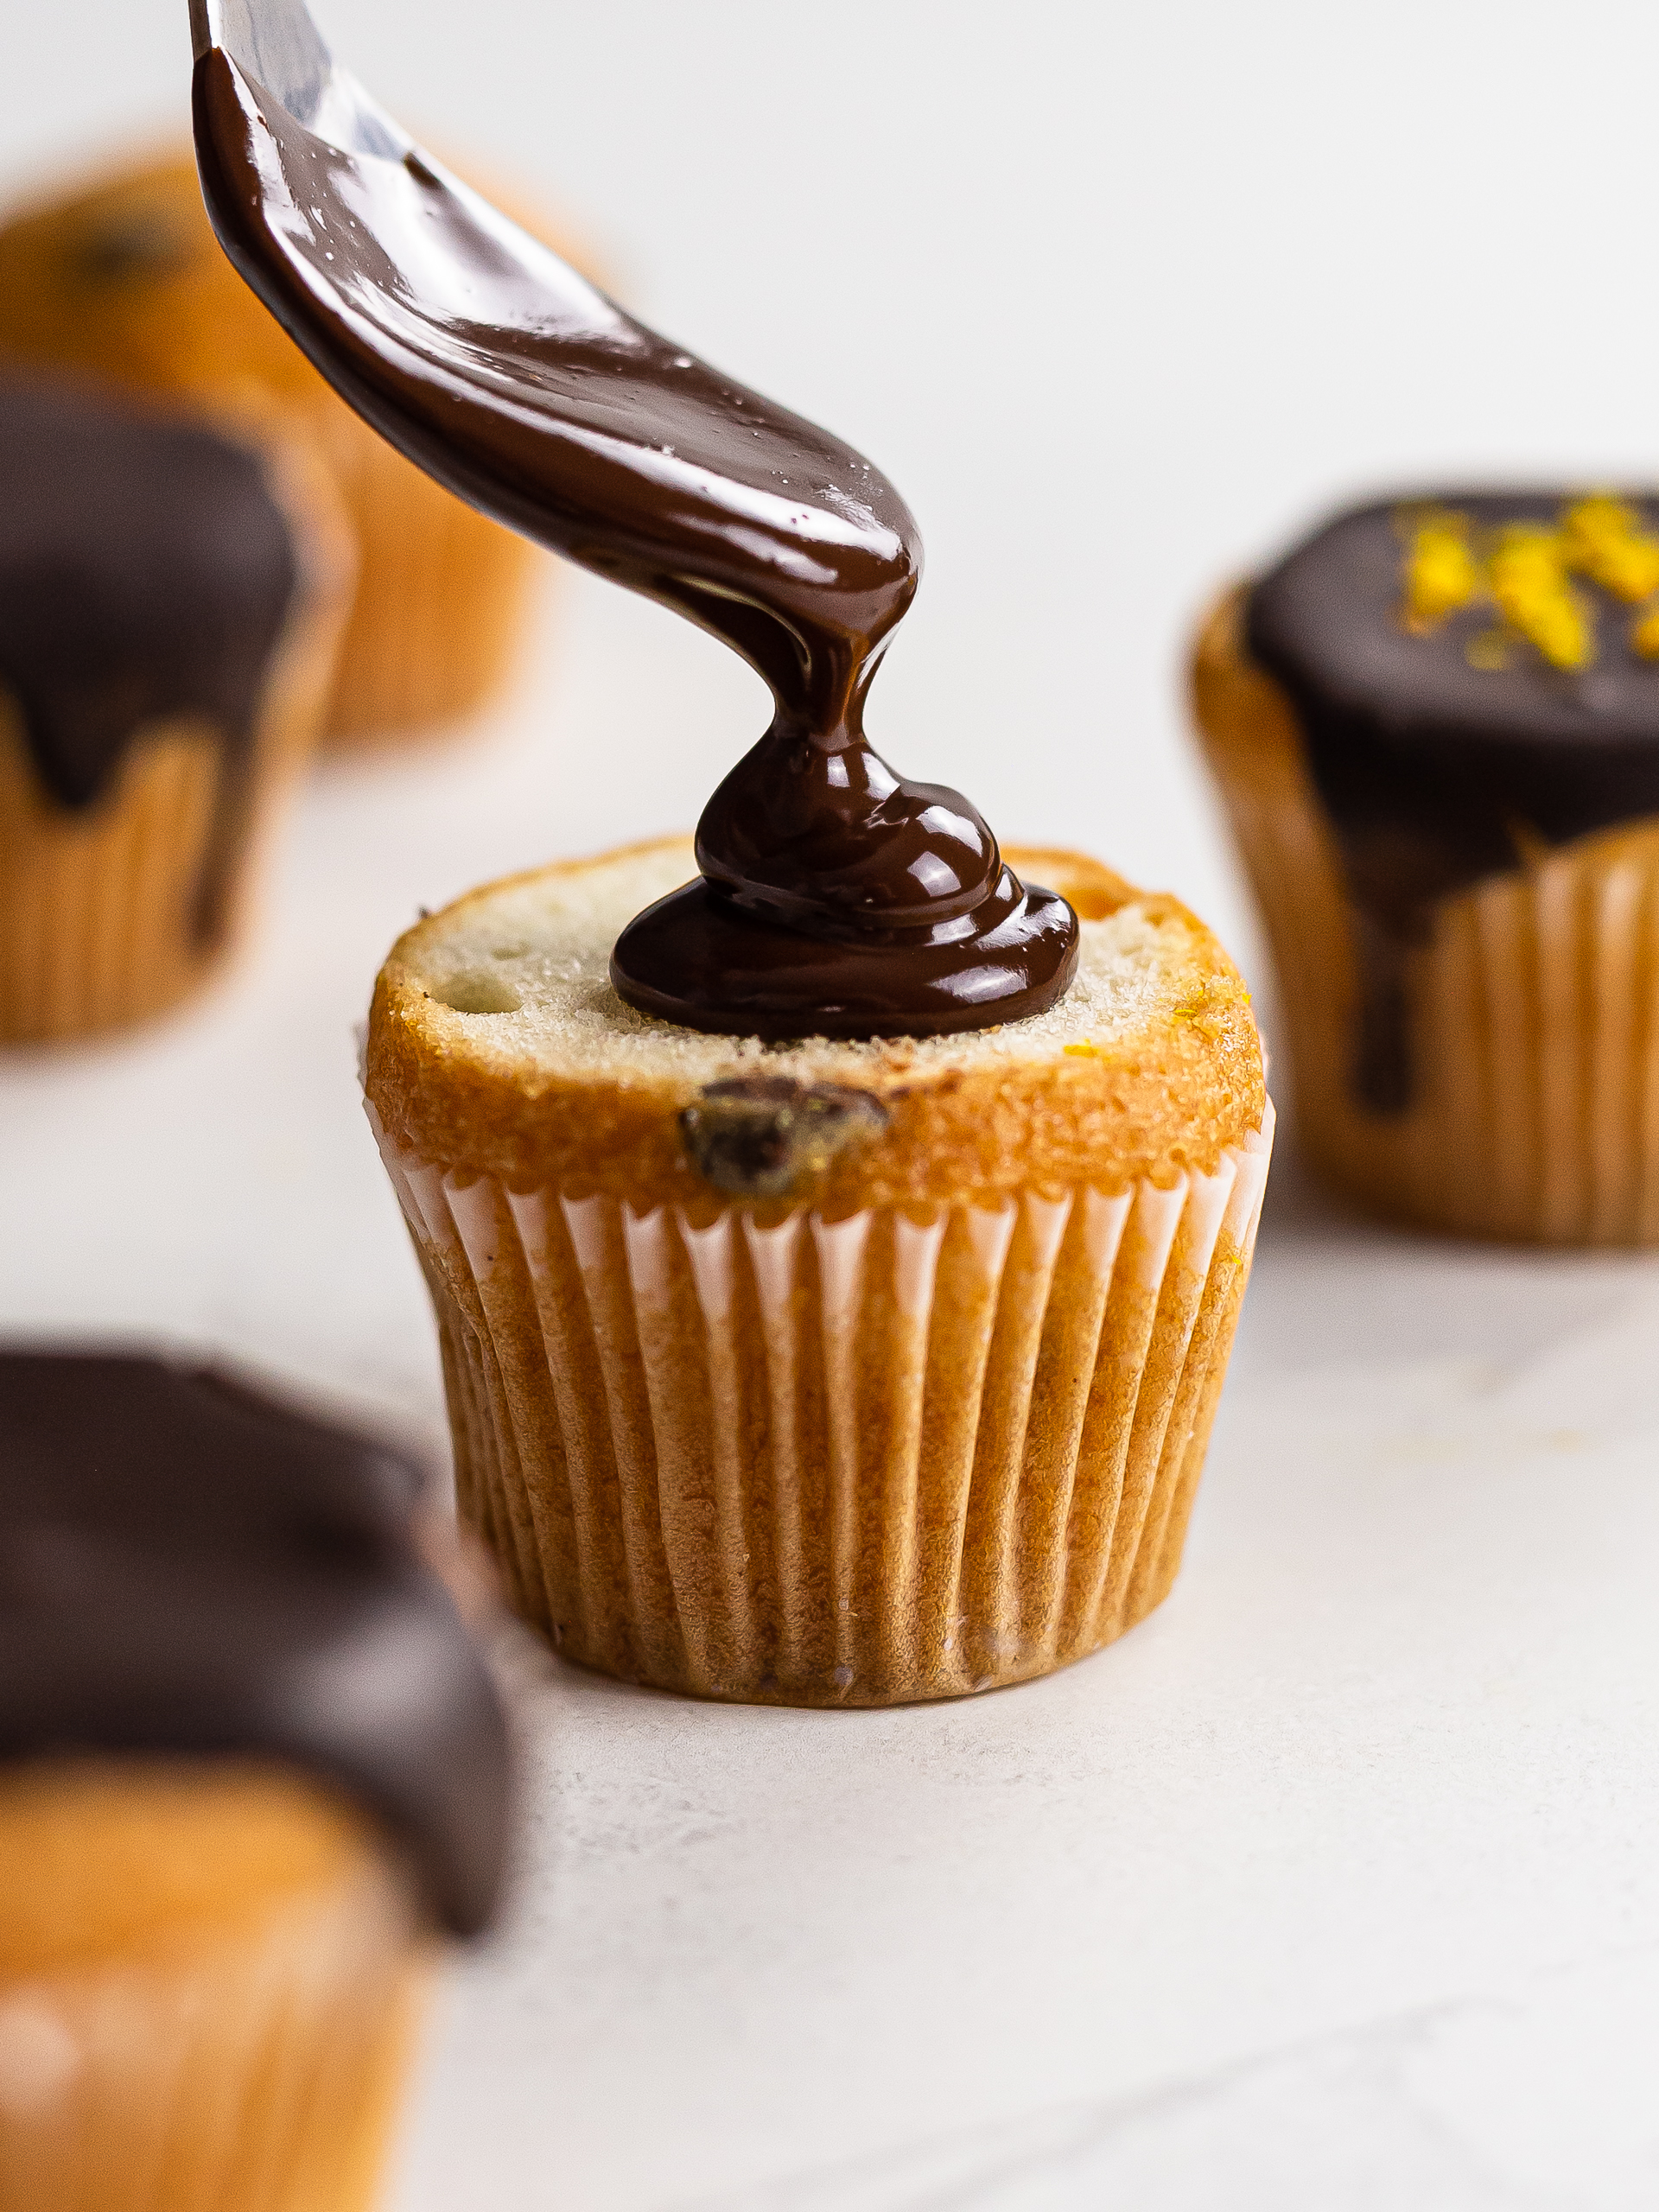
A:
(836, 897)
(190, 1570)
(1473, 680)
(146, 573)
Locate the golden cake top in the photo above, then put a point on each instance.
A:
(498, 1044)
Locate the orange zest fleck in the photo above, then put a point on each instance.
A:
(1604, 541)
(1441, 571)
(1530, 582)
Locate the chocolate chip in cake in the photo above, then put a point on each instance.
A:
(759, 1136)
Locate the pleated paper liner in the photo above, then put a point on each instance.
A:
(443, 594)
(95, 920)
(1533, 1009)
(114, 912)
(258, 2071)
(786, 1459)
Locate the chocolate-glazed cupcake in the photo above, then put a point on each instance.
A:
(124, 278)
(171, 595)
(1436, 724)
(836, 1227)
(252, 1769)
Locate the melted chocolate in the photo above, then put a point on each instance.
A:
(145, 575)
(1435, 773)
(189, 1570)
(835, 898)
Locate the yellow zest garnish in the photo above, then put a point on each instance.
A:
(1441, 571)
(1084, 1051)
(1529, 581)
(1606, 541)
(1526, 570)
(1205, 1008)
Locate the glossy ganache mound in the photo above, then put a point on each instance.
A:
(838, 900)
(190, 1570)
(1476, 679)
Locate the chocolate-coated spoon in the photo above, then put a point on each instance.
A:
(836, 897)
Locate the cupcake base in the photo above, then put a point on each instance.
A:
(97, 924)
(185, 2052)
(757, 1454)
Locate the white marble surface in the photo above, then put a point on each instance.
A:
(1334, 1885)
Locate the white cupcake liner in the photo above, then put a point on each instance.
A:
(856, 1461)
(96, 911)
(1539, 1036)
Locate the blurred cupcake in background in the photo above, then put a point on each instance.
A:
(1436, 725)
(124, 278)
(172, 592)
(253, 1769)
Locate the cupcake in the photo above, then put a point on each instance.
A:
(125, 279)
(824, 1372)
(1436, 726)
(171, 594)
(836, 1237)
(251, 1770)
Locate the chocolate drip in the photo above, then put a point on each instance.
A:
(1435, 773)
(187, 1569)
(835, 898)
(145, 575)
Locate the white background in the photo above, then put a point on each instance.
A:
(1335, 1884)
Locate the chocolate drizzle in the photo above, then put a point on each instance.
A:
(1434, 772)
(145, 575)
(835, 898)
(190, 1570)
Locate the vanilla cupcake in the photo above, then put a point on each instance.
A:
(171, 596)
(823, 1372)
(251, 1770)
(1436, 725)
(124, 278)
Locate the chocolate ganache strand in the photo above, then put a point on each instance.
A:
(836, 897)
